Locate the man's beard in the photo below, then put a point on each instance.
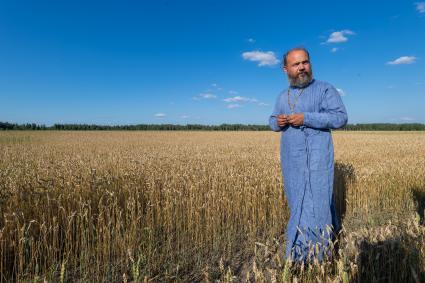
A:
(301, 80)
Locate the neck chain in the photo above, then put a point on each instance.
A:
(292, 106)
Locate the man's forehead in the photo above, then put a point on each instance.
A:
(297, 55)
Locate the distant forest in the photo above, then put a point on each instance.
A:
(197, 127)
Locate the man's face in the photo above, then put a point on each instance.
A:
(298, 68)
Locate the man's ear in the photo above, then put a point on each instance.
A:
(285, 69)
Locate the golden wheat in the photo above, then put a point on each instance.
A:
(200, 206)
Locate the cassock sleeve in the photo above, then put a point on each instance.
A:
(273, 118)
(332, 113)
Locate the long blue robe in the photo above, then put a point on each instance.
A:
(307, 158)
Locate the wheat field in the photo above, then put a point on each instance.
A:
(200, 207)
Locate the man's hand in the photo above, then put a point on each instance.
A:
(296, 119)
(282, 120)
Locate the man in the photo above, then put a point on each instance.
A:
(304, 114)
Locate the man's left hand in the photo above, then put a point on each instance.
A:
(296, 119)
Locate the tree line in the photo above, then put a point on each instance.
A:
(197, 127)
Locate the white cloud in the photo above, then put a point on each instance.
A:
(403, 60)
(231, 106)
(160, 115)
(184, 116)
(240, 99)
(251, 40)
(263, 58)
(335, 49)
(339, 36)
(236, 101)
(216, 87)
(420, 7)
(205, 96)
(407, 119)
(233, 92)
(341, 92)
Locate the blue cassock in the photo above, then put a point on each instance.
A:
(307, 157)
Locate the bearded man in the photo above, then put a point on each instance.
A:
(305, 113)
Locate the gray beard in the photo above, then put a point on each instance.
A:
(302, 81)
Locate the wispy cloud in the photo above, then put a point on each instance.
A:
(420, 7)
(341, 92)
(339, 36)
(160, 115)
(240, 99)
(205, 96)
(263, 58)
(403, 60)
(233, 92)
(335, 49)
(232, 106)
(184, 116)
(251, 40)
(216, 87)
(407, 119)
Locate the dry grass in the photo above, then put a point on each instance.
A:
(199, 206)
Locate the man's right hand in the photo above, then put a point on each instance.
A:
(282, 120)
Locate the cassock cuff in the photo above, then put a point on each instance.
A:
(307, 119)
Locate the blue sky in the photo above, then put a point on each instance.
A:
(206, 62)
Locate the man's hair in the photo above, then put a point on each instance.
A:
(285, 56)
